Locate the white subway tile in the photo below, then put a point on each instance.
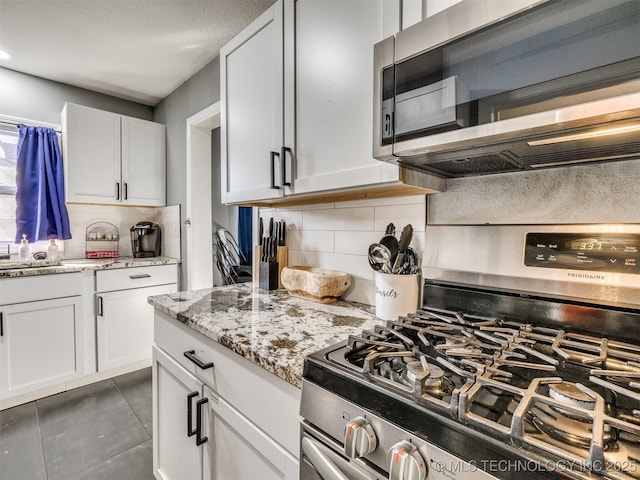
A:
(314, 241)
(374, 202)
(355, 243)
(415, 214)
(356, 219)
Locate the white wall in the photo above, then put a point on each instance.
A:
(123, 217)
(337, 236)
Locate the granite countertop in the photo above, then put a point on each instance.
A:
(44, 267)
(274, 330)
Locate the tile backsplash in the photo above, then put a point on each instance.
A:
(123, 217)
(337, 236)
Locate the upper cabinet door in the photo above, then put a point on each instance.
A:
(91, 154)
(113, 159)
(334, 93)
(251, 69)
(143, 162)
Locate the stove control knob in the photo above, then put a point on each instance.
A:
(359, 438)
(405, 462)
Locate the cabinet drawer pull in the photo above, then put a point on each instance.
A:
(283, 165)
(273, 170)
(1, 324)
(117, 190)
(190, 431)
(100, 307)
(191, 355)
(199, 438)
(141, 275)
(126, 191)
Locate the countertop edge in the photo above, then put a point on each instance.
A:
(80, 265)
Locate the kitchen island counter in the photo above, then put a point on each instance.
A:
(274, 329)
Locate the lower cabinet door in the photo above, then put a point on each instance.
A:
(125, 325)
(238, 449)
(177, 398)
(41, 344)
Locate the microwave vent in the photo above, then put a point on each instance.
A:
(596, 153)
(475, 165)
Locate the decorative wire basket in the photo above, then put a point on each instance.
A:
(101, 240)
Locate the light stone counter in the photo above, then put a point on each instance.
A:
(80, 264)
(273, 329)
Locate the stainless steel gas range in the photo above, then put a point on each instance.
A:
(527, 368)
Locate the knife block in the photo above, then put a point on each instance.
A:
(259, 267)
(268, 276)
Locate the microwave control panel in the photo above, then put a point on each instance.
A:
(601, 252)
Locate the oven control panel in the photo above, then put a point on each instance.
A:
(601, 252)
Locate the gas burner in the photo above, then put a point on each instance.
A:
(563, 426)
(570, 394)
(421, 370)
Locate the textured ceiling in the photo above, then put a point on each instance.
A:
(139, 50)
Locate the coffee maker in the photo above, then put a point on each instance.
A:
(145, 239)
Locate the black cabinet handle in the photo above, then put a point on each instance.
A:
(273, 170)
(117, 190)
(126, 191)
(1, 325)
(191, 431)
(199, 438)
(283, 165)
(191, 355)
(100, 307)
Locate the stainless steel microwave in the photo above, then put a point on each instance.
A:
(490, 86)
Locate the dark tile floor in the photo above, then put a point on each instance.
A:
(98, 432)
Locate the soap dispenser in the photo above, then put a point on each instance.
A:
(52, 250)
(24, 250)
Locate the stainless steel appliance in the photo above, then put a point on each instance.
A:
(524, 362)
(487, 87)
(146, 239)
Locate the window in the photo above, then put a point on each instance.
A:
(8, 157)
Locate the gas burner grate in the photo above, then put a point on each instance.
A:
(574, 396)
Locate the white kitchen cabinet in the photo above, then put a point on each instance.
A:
(239, 449)
(112, 159)
(334, 95)
(296, 89)
(175, 391)
(41, 341)
(251, 79)
(249, 436)
(124, 319)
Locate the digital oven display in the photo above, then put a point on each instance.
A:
(604, 252)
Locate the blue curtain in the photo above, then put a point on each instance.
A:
(245, 233)
(40, 210)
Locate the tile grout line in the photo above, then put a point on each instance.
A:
(132, 410)
(44, 461)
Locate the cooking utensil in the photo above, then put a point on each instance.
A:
(379, 257)
(390, 230)
(403, 244)
(392, 244)
(260, 229)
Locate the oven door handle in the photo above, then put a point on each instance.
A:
(323, 465)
